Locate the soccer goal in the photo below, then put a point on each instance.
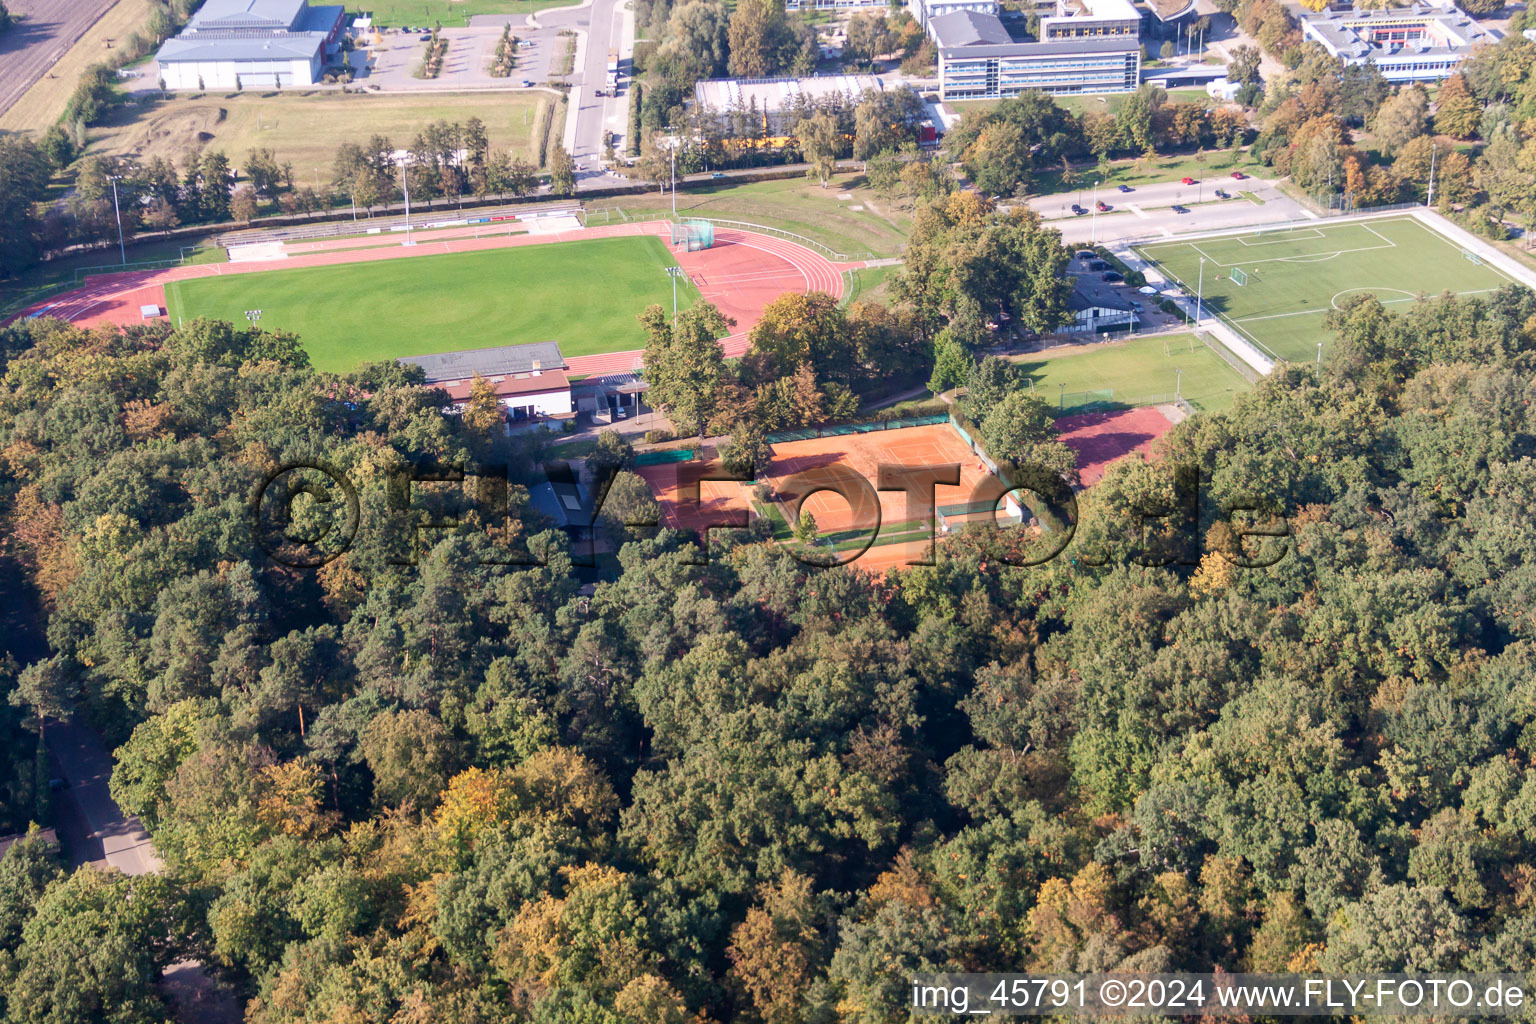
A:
(1238, 275)
(1471, 256)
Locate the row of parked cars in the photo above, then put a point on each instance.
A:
(1103, 207)
(1107, 273)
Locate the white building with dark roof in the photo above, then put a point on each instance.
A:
(1099, 315)
(1419, 43)
(258, 44)
(529, 380)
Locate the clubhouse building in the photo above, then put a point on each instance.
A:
(1420, 43)
(1087, 46)
(258, 44)
(529, 380)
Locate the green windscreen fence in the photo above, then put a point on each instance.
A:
(839, 429)
(663, 456)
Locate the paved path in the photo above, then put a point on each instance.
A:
(106, 836)
(37, 41)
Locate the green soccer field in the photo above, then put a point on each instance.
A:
(584, 295)
(1295, 276)
(1142, 371)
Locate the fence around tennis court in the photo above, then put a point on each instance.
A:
(841, 429)
(664, 456)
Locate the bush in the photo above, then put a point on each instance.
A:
(1169, 306)
(658, 436)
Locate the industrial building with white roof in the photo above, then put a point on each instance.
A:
(258, 44)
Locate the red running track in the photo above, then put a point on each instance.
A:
(741, 274)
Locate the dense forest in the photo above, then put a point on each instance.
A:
(424, 783)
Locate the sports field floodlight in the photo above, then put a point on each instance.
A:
(1093, 217)
(1199, 294)
(121, 248)
(674, 273)
(405, 184)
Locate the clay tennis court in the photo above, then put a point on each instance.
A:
(848, 466)
(828, 474)
(1101, 438)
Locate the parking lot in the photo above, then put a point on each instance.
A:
(1089, 269)
(393, 63)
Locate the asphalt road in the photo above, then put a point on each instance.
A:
(1148, 210)
(109, 837)
(37, 40)
(602, 26)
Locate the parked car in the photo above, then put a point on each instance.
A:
(1101, 206)
(718, 175)
(1222, 193)
(1078, 210)
(527, 83)
(1126, 188)
(1098, 265)
(1086, 254)
(1112, 276)
(1138, 307)
(427, 38)
(1239, 175)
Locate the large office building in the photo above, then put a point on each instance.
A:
(1087, 46)
(1420, 43)
(832, 5)
(258, 44)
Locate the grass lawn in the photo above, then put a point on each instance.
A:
(305, 128)
(44, 103)
(424, 13)
(584, 295)
(874, 284)
(1141, 171)
(1295, 276)
(1141, 371)
(861, 223)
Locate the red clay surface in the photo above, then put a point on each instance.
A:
(800, 467)
(1101, 438)
(741, 274)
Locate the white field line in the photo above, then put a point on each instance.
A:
(1290, 232)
